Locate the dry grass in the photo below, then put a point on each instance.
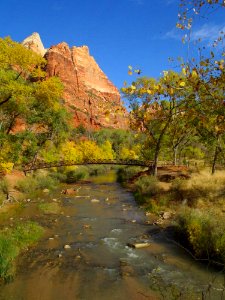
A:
(200, 188)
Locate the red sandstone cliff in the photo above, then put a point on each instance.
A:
(91, 97)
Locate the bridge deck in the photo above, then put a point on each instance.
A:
(43, 165)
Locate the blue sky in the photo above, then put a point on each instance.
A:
(141, 33)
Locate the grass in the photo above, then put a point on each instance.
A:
(37, 182)
(13, 242)
(202, 188)
(49, 208)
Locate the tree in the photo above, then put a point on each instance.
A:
(205, 75)
(28, 96)
(154, 105)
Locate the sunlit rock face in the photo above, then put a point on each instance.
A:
(34, 43)
(89, 95)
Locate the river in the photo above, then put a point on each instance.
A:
(97, 224)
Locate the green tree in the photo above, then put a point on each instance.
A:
(27, 96)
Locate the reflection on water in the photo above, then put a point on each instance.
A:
(98, 263)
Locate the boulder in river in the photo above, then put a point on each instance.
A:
(95, 201)
(138, 245)
(68, 192)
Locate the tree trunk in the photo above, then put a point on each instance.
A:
(155, 162)
(215, 159)
(175, 156)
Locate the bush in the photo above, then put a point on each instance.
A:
(59, 176)
(39, 182)
(97, 170)
(76, 175)
(147, 185)
(27, 185)
(204, 232)
(2, 198)
(46, 182)
(12, 242)
(125, 174)
(4, 186)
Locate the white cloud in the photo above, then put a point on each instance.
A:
(175, 34)
(206, 33)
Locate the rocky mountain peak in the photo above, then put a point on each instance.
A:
(89, 95)
(34, 43)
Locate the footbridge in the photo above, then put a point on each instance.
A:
(63, 163)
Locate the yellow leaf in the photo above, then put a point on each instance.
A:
(130, 73)
(184, 71)
(194, 74)
(182, 83)
(171, 91)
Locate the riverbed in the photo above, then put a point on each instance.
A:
(85, 252)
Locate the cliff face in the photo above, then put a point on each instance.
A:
(91, 97)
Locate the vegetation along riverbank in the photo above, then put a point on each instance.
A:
(191, 202)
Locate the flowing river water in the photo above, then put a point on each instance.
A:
(98, 264)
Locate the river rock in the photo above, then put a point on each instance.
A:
(86, 226)
(68, 192)
(67, 247)
(95, 201)
(138, 245)
(166, 215)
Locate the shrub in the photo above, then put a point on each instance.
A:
(27, 185)
(39, 182)
(97, 170)
(46, 182)
(2, 198)
(125, 174)
(4, 186)
(59, 176)
(147, 185)
(204, 232)
(76, 175)
(6, 167)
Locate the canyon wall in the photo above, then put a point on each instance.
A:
(89, 95)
